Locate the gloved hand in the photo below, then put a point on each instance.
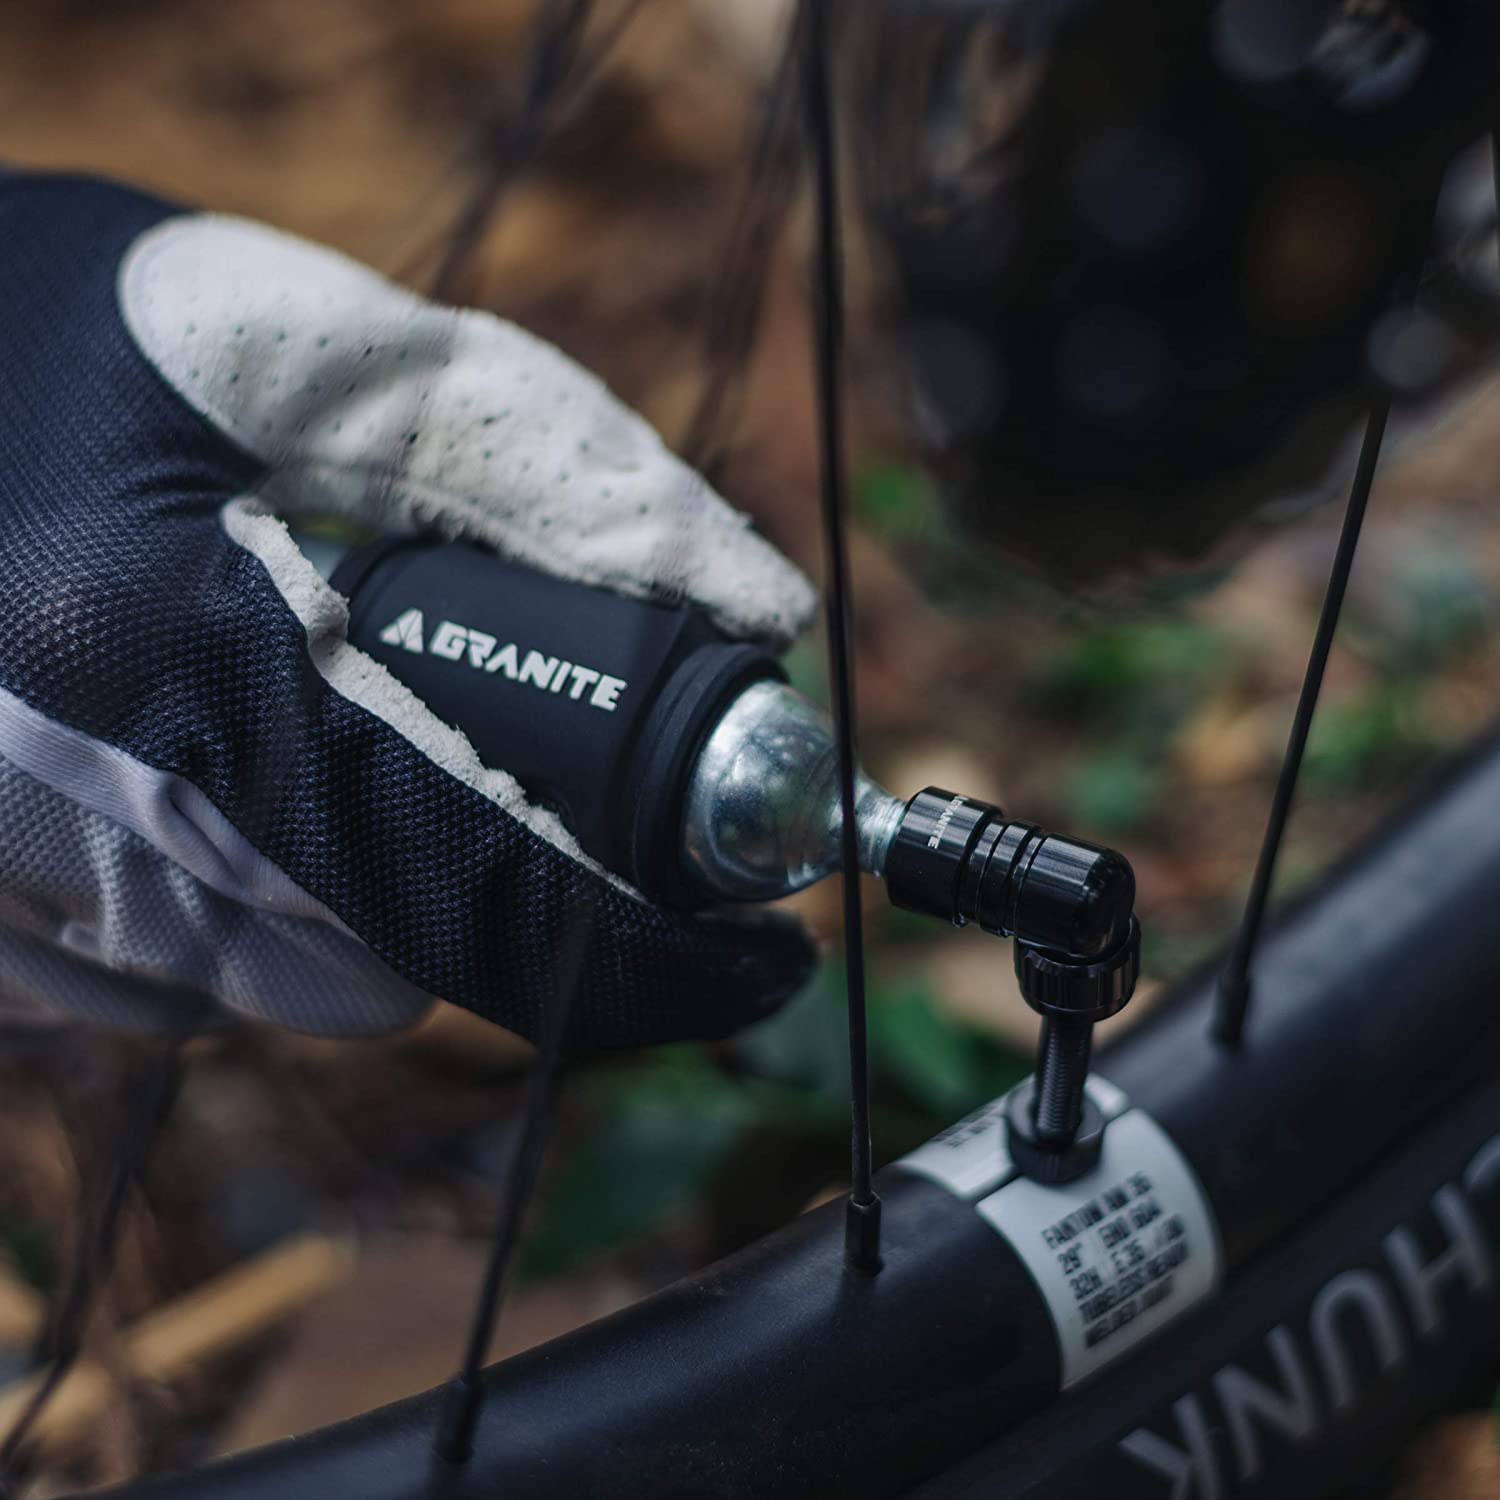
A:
(209, 800)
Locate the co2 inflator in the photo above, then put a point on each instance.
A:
(684, 761)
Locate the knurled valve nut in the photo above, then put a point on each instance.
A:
(1046, 1162)
(1076, 991)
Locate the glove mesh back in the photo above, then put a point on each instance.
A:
(127, 613)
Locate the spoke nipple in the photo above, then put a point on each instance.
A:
(862, 1236)
(1234, 1005)
(454, 1442)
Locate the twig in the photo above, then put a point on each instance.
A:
(221, 1315)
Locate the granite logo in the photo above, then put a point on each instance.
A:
(944, 819)
(485, 653)
(1315, 1370)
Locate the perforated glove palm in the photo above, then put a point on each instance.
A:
(209, 800)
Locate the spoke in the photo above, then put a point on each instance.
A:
(862, 1227)
(737, 297)
(1234, 982)
(559, 67)
(147, 1089)
(454, 1440)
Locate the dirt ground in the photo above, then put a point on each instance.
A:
(347, 1178)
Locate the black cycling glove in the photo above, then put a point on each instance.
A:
(209, 800)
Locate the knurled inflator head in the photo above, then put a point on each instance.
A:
(965, 861)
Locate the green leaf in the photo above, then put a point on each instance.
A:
(805, 1044)
(806, 669)
(1357, 743)
(942, 1065)
(1444, 605)
(28, 1246)
(1134, 679)
(1113, 792)
(898, 927)
(662, 1132)
(896, 503)
(665, 1126)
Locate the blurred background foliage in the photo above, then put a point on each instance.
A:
(1151, 715)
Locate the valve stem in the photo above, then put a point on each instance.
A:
(1062, 1069)
(1053, 1130)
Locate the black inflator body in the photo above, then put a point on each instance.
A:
(595, 702)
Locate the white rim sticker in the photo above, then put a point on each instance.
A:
(970, 1158)
(1118, 1254)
